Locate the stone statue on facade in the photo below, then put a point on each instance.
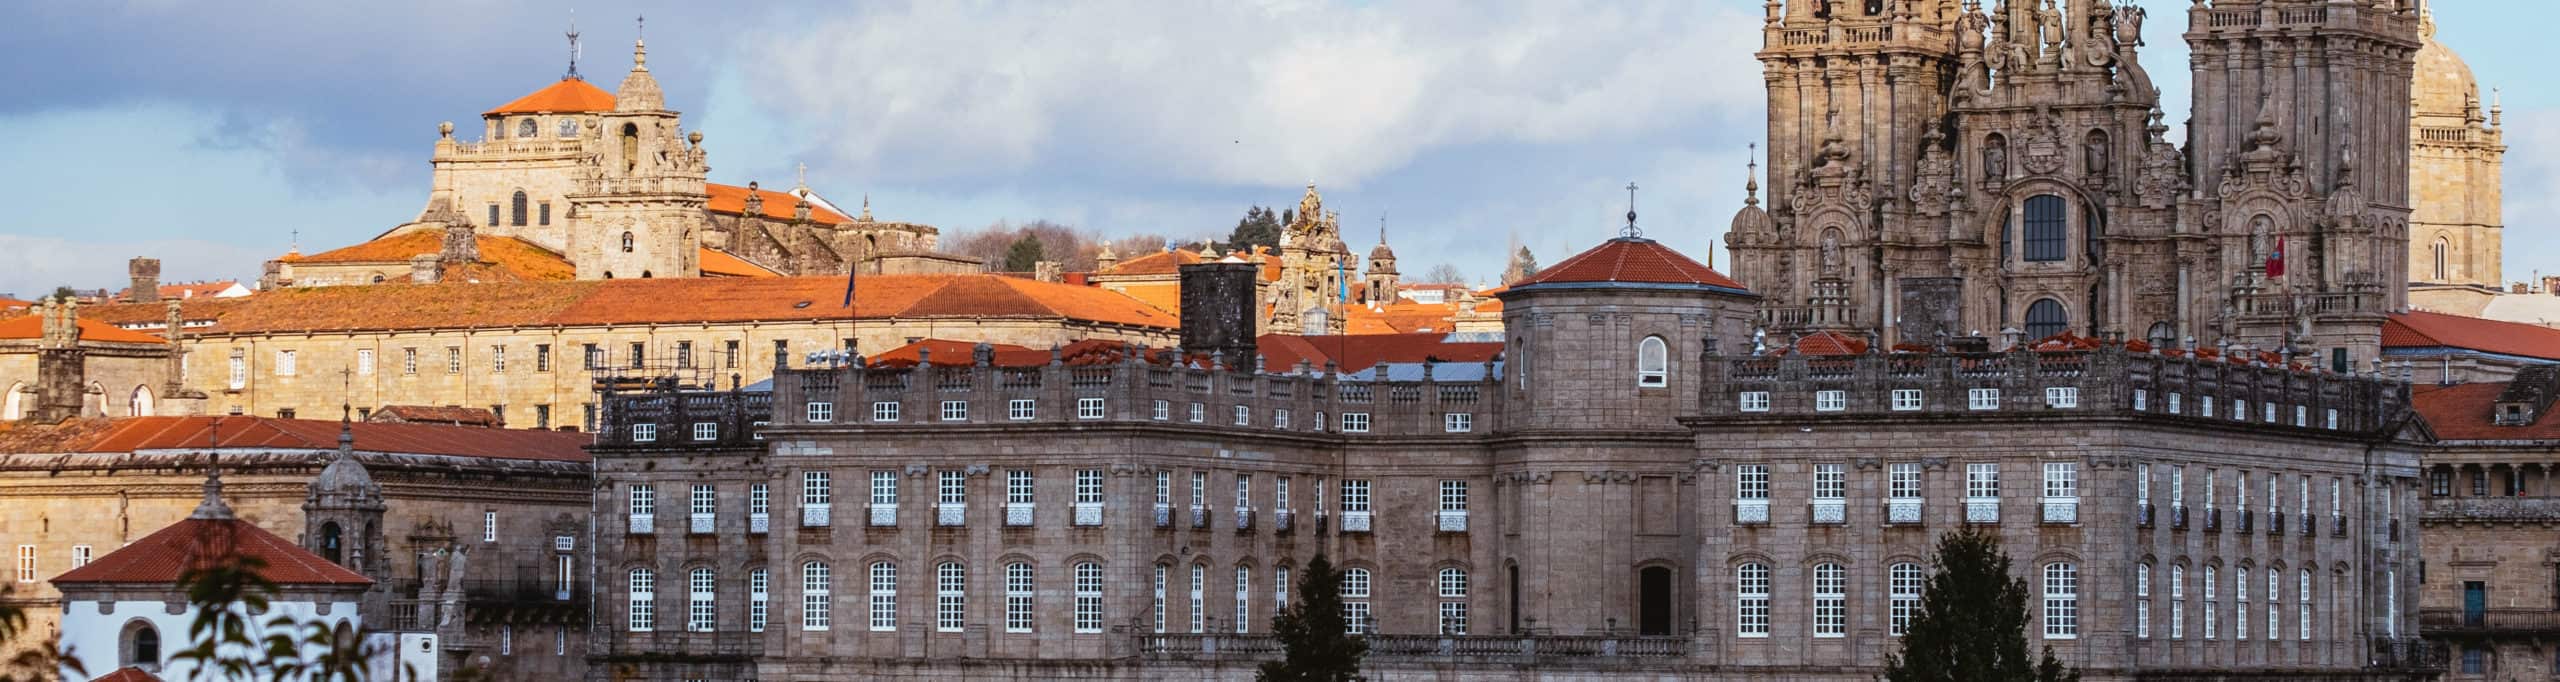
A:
(1995, 159)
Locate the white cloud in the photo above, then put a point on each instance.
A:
(1267, 94)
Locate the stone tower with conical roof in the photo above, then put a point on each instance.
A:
(1382, 272)
(639, 207)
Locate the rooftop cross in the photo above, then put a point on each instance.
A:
(573, 47)
(1631, 232)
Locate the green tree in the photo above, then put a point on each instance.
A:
(1972, 622)
(1025, 254)
(30, 659)
(1259, 227)
(1312, 638)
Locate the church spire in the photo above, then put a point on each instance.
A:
(1751, 178)
(573, 49)
(212, 507)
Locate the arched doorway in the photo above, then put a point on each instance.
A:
(1653, 601)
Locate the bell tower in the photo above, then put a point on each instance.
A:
(638, 210)
(342, 513)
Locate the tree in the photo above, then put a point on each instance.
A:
(1444, 273)
(1972, 622)
(1259, 227)
(1314, 646)
(1024, 255)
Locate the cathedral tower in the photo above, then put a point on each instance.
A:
(638, 211)
(342, 513)
(2455, 167)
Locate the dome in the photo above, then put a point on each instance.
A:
(2444, 86)
(1381, 252)
(1750, 220)
(345, 481)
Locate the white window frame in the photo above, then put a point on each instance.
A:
(1830, 601)
(1904, 583)
(285, 363)
(644, 432)
(1021, 409)
(1090, 408)
(950, 597)
(1355, 601)
(1906, 399)
(955, 410)
(884, 596)
(1653, 363)
(702, 600)
(1458, 422)
(1751, 601)
(1982, 399)
(1163, 410)
(759, 598)
(821, 411)
(1830, 400)
(817, 596)
(641, 591)
(1753, 401)
(886, 411)
(1088, 598)
(706, 431)
(1021, 597)
(2062, 397)
(1355, 422)
(1199, 412)
(2061, 600)
(1244, 415)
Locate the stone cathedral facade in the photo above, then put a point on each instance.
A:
(1942, 170)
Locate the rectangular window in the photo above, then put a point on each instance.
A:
(1199, 489)
(1906, 399)
(1164, 488)
(1755, 401)
(1751, 601)
(885, 410)
(1830, 482)
(1199, 598)
(1244, 415)
(1199, 413)
(644, 433)
(952, 488)
(1244, 491)
(1019, 409)
(1163, 410)
(2062, 480)
(26, 563)
(701, 607)
(1355, 422)
(1902, 480)
(1091, 408)
(639, 355)
(1280, 417)
(2177, 602)
(79, 556)
(1453, 496)
(2061, 601)
(2212, 606)
(955, 410)
(1355, 601)
(1830, 601)
(284, 363)
(706, 431)
(1019, 595)
(643, 594)
(884, 597)
(453, 359)
(1751, 493)
(2141, 400)
(1982, 481)
(684, 355)
(781, 352)
(703, 505)
(1906, 580)
(1982, 399)
(1830, 400)
(759, 599)
(2173, 403)
(1453, 601)
(1244, 599)
(1355, 496)
(2142, 601)
(545, 217)
(1160, 597)
(950, 597)
(497, 358)
(595, 358)
(2204, 405)
(1458, 422)
(489, 525)
(729, 353)
(2062, 397)
(239, 370)
(364, 362)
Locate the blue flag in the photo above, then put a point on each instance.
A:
(851, 274)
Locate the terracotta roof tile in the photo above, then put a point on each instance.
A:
(454, 415)
(1352, 353)
(718, 263)
(732, 199)
(127, 674)
(1633, 260)
(2468, 412)
(2420, 329)
(503, 259)
(162, 556)
(32, 326)
(1158, 263)
(129, 434)
(567, 95)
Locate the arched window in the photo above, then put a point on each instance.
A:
(2045, 234)
(642, 588)
(2437, 251)
(1088, 596)
(1830, 600)
(1020, 595)
(517, 208)
(701, 605)
(12, 407)
(630, 147)
(569, 127)
(528, 128)
(626, 242)
(644, 274)
(2045, 318)
(1751, 600)
(330, 541)
(141, 405)
(2162, 335)
(141, 646)
(1355, 601)
(2061, 600)
(1903, 592)
(1453, 601)
(2142, 601)
(817, 596)
(1653, 363)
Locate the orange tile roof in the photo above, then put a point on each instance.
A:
(451, 415)
(777, 205)
(1401, 317)
(128, 434)
(1158, 263)
(201, 543)
(1352, 353)
(127, 674)
(950, 353)
(1631, 260)
(718, 263)
(32, 327)
(568, 95)
(2468, 412)
(1164, 296)
(2420, 329)
(7, 303)
(503, 259)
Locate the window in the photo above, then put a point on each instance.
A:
(1160, 599)
(1830, 493)
(701, 602)
(950, 597)
(706, 430)
(1830, 400)
(79, 556)
(1907, 581)
(453, 359)
(1982, 481)
(955, 410)
(759, 598)
(506, 640)
(493, 213)
(639, 355)
(2062, 397)
(1355, 496)
(641, 587)
(1019, 595)
(1751, 600)
(1244, 415)
(1244, 599)
(1653, 363)
(1088, 596)
(1453, 496)
(1089, 486)
(2302, 607)
(643, 500)
(1163, 410)
(818, 496)
(1280, 588)
(1755, 401)
(489, 525)
(1751, 493)
(364, 362)
(2240, 603)
(2046, 318)
(2440, 482)
(595, 359)
(284, 363)
(885, 410)
(1830, 600)
(1280, 417)
(2061, 600)
(884, 597)
(1244, 491)
(951, 488)
(2475, 660)
(1355, 422)
(1200, 598)
(2270, 416)
(497, 359)
(1902, 480)
(1199, 489)
(2062, 481)
(626, 242)
(239, 370)
(2211, 605)
(1982, 399)
(2205, 405)
(26, 563)
(2045, 232)
(1458, 422)
(1091, 408)
(2173, 403)
(545, 208)
(1453, 601)
(2142, 601)
(2141, 400)
(516, 205)
(2177, 602)
(1020, 409)
(1017, 486)
(1199, 413)
(759, 500)
(1355, 601)
(1906, 399)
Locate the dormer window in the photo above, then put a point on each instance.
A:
(1653, 363)
(2514, 414)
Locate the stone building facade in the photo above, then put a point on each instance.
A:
(55, 365)
(1635, 486)
(1944, 170)
(2491, 586)
(2456, 186)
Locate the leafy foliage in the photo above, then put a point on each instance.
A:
(1972, 622)
(1314, 644)
(30, 661)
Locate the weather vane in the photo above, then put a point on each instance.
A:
(573, 47)
(1632, 232)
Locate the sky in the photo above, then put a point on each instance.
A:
(217, 135)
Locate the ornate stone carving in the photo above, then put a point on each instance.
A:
(2043, 153)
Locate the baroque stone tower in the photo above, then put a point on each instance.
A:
(639, 206)
(2455, 168)
(1941, 170)
(342, 513)
(1313, 266)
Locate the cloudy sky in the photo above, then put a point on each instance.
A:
(214, 135)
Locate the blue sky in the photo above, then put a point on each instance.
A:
(214, 135)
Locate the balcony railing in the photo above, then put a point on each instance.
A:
(1164, 516)
(2062, 510)
(1902, 510)
(1982, 510)
(2213, 520)
(2406, 654)
(723, 646)
(2492, 509)
(1832, 511)
(2248, 521)
(1284, 521)
(2337, 526)
(2178, 518)
(2490, 621)
(820, 515)
(950, 515)
(1017, 515)
(759, 524)
(1355, 522)
(2275, 523)
(1244, 519)
(1199, 517)
(644, 524)
(702, 524)
(1088, 513)
(1472, 648)
(1453, 521)
(884, 515)
(2142, 515)
(1751, 511)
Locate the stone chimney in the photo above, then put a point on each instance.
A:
(1049, 271)
(1218, 301)
(271, 276)
(61, 366)
(146, 279)
(461, 243)
(426, 268)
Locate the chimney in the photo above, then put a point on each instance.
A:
(271, 276)
(461, 243)
(61, 366)
(146, 279)
(1049, 271)
(425, 268)
(1218, 301)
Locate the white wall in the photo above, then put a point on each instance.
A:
(92, 636)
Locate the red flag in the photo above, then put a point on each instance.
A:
(2275, 259)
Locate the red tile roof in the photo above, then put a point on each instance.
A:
(1632, 260)
(718, 263)
(1158, 263)
(2468, 412)
(950, 353)
(184, 290)
(568, 95)
(2420, 329)
(198, 543)
(32, 327)
(8, 303)
(128, 434)
(127, 674)
(454, 415)
(732, 199)
(1352, 353)
(503, 259)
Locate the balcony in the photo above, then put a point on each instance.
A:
(685, 646)
(1453, 521)
(2248, 521)
(2178, 518)
(2406, 654)
(1832, 511)
(2337, 526)
(884, 516)
(818, 515)
(1244, 519)
(702, 524)
(1164, 516)
(2275, 523)
(1199, 517)
(2212, 520)
(1017, 515)
(534, 590)
(2310, 525)
(1355, 522)
(2142, 515)
(1751, 512)
(2435, 622)
(2062, 510)
(1902, 510)
(644, 524)
(759, 524)
(1495, 649)
(1284, 521)
(950, 515)
(1982, 510)
(1088, 513)
(1324, 523)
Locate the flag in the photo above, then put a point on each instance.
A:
(1343, 278)
(2275, 259)
(851, 274)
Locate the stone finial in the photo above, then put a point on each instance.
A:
(212, 507)
(445, 130)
